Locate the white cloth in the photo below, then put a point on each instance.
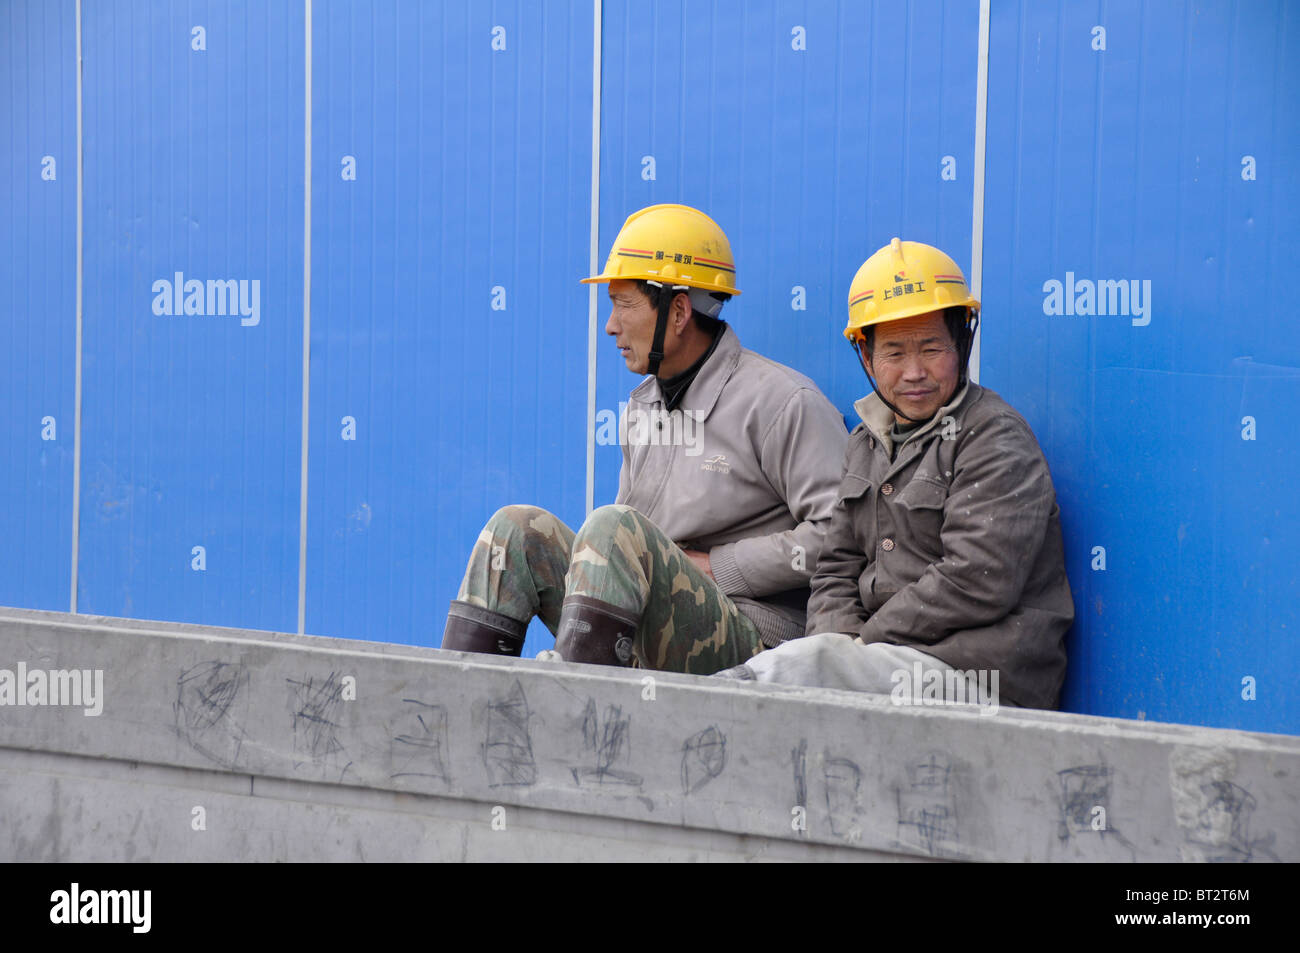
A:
(909, 676)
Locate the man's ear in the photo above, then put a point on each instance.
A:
(681, 312)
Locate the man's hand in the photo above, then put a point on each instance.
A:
(701, 560)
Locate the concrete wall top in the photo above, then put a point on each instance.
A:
(795, 765)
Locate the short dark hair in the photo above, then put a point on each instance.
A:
(954, 319)
(705, 323)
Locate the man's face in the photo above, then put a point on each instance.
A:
(632, 324)
(915, 365)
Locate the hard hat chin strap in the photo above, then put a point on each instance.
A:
(967, 344)
(661, 324)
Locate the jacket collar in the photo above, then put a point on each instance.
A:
(704, 390)
(880, 419)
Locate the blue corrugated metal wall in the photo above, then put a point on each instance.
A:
(449, 333)
(190, 416)
(1167, 157)
(450, 208)
(38, 282)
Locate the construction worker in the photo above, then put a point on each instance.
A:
(730, 464)
(944, 554)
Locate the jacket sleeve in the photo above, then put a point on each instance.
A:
(995, 519)
(836, 602)
(799, 455)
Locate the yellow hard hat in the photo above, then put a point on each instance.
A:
(674, 245)
(902, 280)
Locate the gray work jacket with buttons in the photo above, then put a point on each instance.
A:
(744, 469)
(952, 546)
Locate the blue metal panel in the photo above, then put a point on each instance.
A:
(810, 159)
(1128, 162)
(472, 174)
(191, 422)
(38, 260)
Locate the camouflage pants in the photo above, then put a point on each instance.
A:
(526, 561)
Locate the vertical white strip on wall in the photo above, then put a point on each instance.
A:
(306, 333)
(977, 218)
(592, 335)
(76, 419)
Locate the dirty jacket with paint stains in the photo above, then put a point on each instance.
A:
(751, 481)
(952, 547)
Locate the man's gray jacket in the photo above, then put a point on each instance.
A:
(952, 547)
(745, 468)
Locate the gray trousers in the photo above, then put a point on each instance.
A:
(908, 675)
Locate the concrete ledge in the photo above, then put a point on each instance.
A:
(303, 748)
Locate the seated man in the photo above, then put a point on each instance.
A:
(729, 472)
(944, 553)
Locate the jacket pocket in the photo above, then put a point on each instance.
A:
(920, 516)
(852, 487)
(923, 495)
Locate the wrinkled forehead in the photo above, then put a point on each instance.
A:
(622, 289)
(915, 330)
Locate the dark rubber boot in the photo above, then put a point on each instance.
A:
(595, 632)
(471, 628)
